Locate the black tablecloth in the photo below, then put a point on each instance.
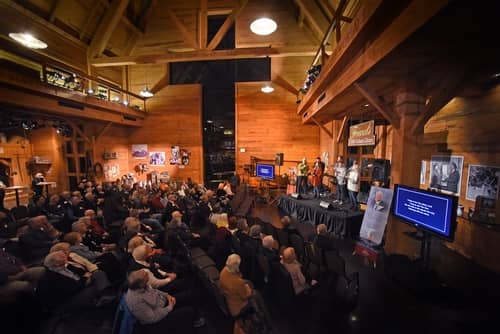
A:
(341, 221)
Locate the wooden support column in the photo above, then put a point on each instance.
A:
(405, 168)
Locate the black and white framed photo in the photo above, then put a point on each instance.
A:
(482, 181)
(446, 173)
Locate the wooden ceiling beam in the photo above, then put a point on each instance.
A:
(105, 29)
(89, 18)
(123, 18)
(182, 29)
(53, 10)
(201, 55)
(378, 104)
(326, 9)
(226, 25)
(283, 83)
(131, 44)
(340, 135)
(76, 129)
(145, 14)
(163, 82)
(203, 24)
(318, 31)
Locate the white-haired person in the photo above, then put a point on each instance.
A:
(269, 249)
(294, 268)
(61, 285)
(156, 310)
(244, 303)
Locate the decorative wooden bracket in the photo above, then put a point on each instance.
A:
(322, 127)
(380, 105)
(341, 131)
(75, 128)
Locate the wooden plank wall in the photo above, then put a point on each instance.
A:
(468, 127)
(174, 118)
(48, 145)
(267, 124)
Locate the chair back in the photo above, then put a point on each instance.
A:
(19, 212)
(124, 320)
(297, 243)
(335, 263)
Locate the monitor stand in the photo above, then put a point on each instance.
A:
(418, 276)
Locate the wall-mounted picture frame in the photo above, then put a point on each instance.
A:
(446, 173)
(482, 180)
(140, 151)
(157, 158)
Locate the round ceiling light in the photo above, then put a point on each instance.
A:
(263, 26)
(28, 40)
(267, 89)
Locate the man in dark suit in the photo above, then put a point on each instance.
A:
(324, 240)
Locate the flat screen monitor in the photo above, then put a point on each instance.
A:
(428, 211)
(264, 171)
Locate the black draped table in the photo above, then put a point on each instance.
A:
(340, 220)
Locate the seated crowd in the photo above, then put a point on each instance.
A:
(83, 247)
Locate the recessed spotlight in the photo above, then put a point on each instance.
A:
(496, 75)
(28, 40)
(263, 26)
(366, 105)
(116, 99)
(221, 127)
(125, 102)
(90, 91)
(209, 121)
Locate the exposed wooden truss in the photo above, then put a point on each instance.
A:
(106, 27)
(201, 55)
(226, 25)
(182, 29)
(378, 104)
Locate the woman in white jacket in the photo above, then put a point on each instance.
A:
(353, 184)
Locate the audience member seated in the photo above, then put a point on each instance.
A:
(36, 207)
(269, 250)
(8, 226)
(323, 240)
(294, 268)
(289, 229)
(243, 302)
(55, 211)
(177, 228)
(61, 285)
(38, 238)
(15, 279)
(140, 261)
(159, 311)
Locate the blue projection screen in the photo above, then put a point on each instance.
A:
(265, 171)
(426, 210)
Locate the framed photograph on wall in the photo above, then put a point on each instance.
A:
(446, 173)
(140, 151)
(175, 155)
(157, 158)
(482, 181)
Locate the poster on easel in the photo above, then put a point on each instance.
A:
(378, 207)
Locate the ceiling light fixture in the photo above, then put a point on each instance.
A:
(90, 91)
(28, 40)
(267, 89)
(146, 93)
(263, 26)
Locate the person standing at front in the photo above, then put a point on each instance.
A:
(302, 172)
(353, 184)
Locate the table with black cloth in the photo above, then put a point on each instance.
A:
(341, 221)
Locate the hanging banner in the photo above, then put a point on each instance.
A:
(362, 134)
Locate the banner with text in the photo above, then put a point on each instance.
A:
(362, 134)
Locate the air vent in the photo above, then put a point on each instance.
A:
(321, 97)
(129, 118)
(70, 104)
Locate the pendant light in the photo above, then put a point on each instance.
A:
(267, 88)
(145, 92)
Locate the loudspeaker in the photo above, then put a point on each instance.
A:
(381, 171)
(325, 205)
(296, 195)
(279, 159)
